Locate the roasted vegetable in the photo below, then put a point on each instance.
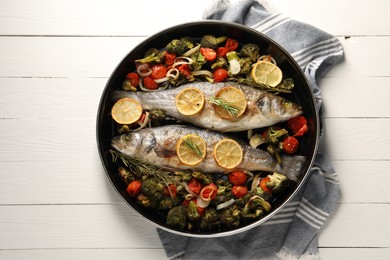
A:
(220, 62)
(180, 46)
(198, 60)
(251, 51)
(192, 212)
(152, 56)
(277, 182)
(209, 41)
(177, 217)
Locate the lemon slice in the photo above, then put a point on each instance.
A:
(228, 153)
(190, 101)
(230, 102)
(191, 149)
(126, 111)
(265, 72)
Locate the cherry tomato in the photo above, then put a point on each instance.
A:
(195, 186)
(239, 191)
(238, 178)
(171, 190)
(159, 71)
(199, 209)
(231, 44)
(209, 192)
(290, 145)
(149, 83)
(208, 53)
(221, 51)
(298, 125)
(185, 70)
(169, 58)
(134, 188)
(134, 79)
(220, 74)
(263, 184)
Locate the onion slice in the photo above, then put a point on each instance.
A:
(225, 204)
(192, 51)
(201, 202)
(202, 72)
(143, 70)
(255, 182)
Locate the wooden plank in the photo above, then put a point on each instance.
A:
(82, 254)
(115, 226)
(56, 56)
(61, 182)
(75, 226)
(357, 225)
(355, 253)
(74, 18)
(366, 143)
(98, 56)
(85, 182)
(340, 17)
(17, 143)
(119, 17)
(351, 174)
(356, 96)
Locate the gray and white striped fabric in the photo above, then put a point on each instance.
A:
(293, 232)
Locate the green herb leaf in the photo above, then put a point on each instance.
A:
(192, 146)
(232, 110)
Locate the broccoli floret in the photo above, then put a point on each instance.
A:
(220, 62)
(232, 55)
(251, 51)
(180, 80)
(277, 182)
(198, 61)
(168, 203)
(245, 65)
(209, 41)
(275, 135)
(147, 202)
(152, 189)
(177, 217)
(230, 216)
(152, 56)
(180, 46)
(210, 219)
(192, 212)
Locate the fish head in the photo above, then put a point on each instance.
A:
(135, 144)
(127, 143)
(278, 108)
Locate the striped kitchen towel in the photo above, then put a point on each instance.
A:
(293, 232)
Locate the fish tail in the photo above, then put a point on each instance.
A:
(292, 166)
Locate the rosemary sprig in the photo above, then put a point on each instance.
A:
(143, 169)
(192, 146)
(232, 110)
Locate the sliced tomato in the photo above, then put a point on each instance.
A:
(221, 51)
(231, 44)
(208, 53)
(169, 58)
(209, 192)
(195, 186)
(298, 125)
(170, 190)
(134, 188)
(134, 79)
(239, 191)
(149, 83)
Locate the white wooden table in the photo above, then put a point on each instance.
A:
(55, 58)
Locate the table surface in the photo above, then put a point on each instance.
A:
(55, 58)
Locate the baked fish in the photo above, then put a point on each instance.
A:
(158, 146)
(263, 108)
